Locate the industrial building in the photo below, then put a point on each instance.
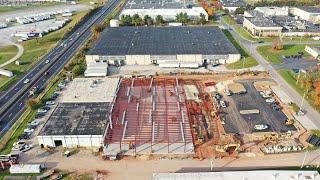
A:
(308, 13)
(232, 5)
(314, 51)
(149, 117)
(273, 11)
(245, 175)
(81, 117)
(166, 8)
(177, 46)
(258, 25)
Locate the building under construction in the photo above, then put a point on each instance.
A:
(149, 116)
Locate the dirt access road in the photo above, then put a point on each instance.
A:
(85, 161)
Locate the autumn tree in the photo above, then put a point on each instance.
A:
(317, 94)
(97, 29)
(277, 44)
(32, 103)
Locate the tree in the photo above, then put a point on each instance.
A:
(136, 20)
(202, 19)
(126, 20)
(159, 20)
(32, 103)
(97, 29)
(277, 44)
(317, 95)
(239, 10)
(308, 83)
(182, 18)
(78, 69)
(147, 20)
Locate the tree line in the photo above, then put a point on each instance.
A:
(136, 20)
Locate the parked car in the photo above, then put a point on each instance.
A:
(270, 100)
(229, 93)
(301, 112)
(26, 147)
(28, 130)
(42, 111)
(261, 127)
(50, 103)
(46, 108)
(24, 136)
(223, 104)
(19, 143)
(34, 122)
(276, 107)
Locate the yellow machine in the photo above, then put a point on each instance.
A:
(271, 137)
(289, 122)
(227, 148)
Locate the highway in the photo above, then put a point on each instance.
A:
(12, 102)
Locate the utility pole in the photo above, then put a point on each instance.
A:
(211, 164)
(304, 94)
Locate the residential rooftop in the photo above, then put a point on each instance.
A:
(101, 89)
(77, 119)
(163, 41)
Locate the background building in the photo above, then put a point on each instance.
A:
(162, 45)
(273, 11)
(258, 25)
(309, 13)
(314, 51)
(232, 5)
(166, 8)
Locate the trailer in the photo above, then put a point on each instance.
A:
(6, 73)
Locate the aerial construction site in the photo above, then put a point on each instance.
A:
(202, 116)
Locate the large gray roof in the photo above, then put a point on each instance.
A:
(260, 20)
(310, 9)
(158, 4)
(163, 41)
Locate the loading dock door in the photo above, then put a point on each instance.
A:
(57, 143)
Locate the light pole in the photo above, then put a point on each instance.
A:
(304, 159)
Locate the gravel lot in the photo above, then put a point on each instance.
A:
(236, 123)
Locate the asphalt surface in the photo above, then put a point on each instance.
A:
(251, 47)
(237, 123)
(12, 102)
(297, 63)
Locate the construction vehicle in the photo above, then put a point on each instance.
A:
(273, 137)
(230, 148)
(289, 122)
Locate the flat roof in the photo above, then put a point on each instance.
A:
(260, 20)
(97, 89)
(310, 9)
(159, 4)
(248, 175)
(162, 41)
(77, 119)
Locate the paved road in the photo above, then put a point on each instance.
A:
(12, 103)
(251, 47)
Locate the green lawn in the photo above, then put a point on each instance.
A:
(228, 19)
(4, 9)
(275, 57)
(7, 53)
(246, 62)
(35, 49)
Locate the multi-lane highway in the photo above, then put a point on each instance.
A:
(12, 102)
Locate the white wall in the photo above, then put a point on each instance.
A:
(311, 51)
(71, 141)
(138, 59)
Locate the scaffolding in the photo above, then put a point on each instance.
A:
(150, 116)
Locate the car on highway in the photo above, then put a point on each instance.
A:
(47, 61)
(26, 81)
(261, 127)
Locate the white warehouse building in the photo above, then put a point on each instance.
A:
(164, 46)
(168, 9)
(82, 116)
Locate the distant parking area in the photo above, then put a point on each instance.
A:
(297, 63)
(234, 122)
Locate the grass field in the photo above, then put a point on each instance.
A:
(275, 57)
(7, 53)
(246, 62)
(35, 49)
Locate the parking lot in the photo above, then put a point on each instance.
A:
(234, 122)
(297, 63)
